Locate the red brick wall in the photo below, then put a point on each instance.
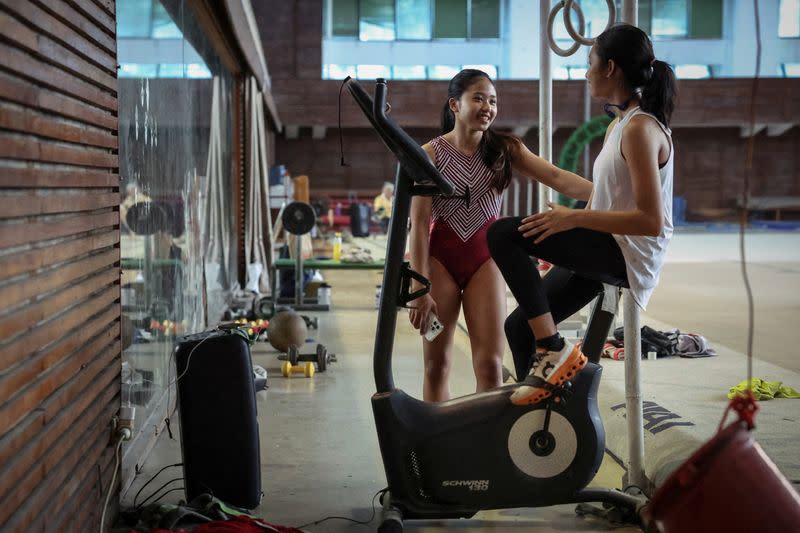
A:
(291, 34)
(709, 164)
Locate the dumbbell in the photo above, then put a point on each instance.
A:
(287, 369)
(321, 357)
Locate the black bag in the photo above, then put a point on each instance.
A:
(360, 215)
(218, 422)
(663, 343)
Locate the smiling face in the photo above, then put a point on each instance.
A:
(477, 107)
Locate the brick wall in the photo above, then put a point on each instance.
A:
(59, 263)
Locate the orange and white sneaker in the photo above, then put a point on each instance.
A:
(550, 370)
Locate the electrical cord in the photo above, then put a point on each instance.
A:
(151, 480)
(188, 360)
(236, 331)
(159, 489)
(352, 520)
(111, 485)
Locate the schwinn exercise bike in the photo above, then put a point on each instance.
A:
(453, 459)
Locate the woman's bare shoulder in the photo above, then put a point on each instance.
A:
(428, 147)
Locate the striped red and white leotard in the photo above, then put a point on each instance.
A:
(458, 232)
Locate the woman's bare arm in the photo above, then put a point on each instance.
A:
(537, 168)
(640, 145)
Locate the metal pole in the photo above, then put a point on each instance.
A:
(545, 100)
(633, 351)
(587, 115)
(630, 12)
(633, 394)
(298, 272)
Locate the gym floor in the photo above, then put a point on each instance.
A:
(319, 452)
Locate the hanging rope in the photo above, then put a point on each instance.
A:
(745, 405)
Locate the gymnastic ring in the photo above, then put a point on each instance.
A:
(578, 36)
(551, 19)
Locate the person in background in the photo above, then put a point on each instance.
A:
(382, 206)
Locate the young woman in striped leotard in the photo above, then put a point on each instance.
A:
(448, 239)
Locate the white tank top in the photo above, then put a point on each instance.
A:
(613, 191)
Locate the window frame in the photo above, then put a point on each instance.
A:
(689, 36)
(468, 38)
(788, 37)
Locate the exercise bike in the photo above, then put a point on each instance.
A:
(455, 458)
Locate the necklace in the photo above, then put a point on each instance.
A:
(622, 107)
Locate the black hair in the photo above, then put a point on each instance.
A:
(632, 51)
(495, 147)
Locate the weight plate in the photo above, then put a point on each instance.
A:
(293, 354)
(322, 358)
(298, 218)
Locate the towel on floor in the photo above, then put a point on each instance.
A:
(765, 390)
(692, 345)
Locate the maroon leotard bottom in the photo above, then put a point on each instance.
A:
(461, 259)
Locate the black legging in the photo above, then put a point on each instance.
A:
(584, 259)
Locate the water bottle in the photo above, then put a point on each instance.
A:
(337, 247)
(377, 296)
(324, 294)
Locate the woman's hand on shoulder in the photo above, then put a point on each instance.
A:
(542, 225)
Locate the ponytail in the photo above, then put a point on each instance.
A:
(448, 121)
(658, 94)
(632, 51)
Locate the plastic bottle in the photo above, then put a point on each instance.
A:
(337, 247)
(378, 289)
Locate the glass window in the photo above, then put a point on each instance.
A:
(370, 72)
(560, 73)
(197, 71)
(178, 270)
(163, 26)
(137, 70)
(442, 72)
(414, 19)
(339, 72)
(789, 19)
(450, 19)
(706, 19)
(485, 19)
(692, 72)
(569, 72)
(491, 70)
(170, 70)
(376, 21)
(791, 70)
(670, 18)
(577, 73)
(408, 72)
(645, 16)
(133, 18)
(595, 13)
(344, 21)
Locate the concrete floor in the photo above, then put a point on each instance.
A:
(319, 452)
